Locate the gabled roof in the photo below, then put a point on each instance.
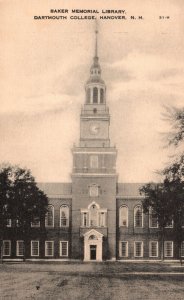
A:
(56, 188)
(129, 189)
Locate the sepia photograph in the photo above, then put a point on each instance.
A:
(92, 149)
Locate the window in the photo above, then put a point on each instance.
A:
(49, 248)
(138, 216)
(88, 92)
(35, 222)
(168, 249)
(20, 248)
(95, 95)
(63, 248)
(169, 224)
(153, 249)
(85, 220)
(153, 222)
(34, 248)
(123, 216)
(94, 161)
(8, 223)
(93, 215)
(138, 249)
(182, 249)
(102, 219)
(49, 218)
(6, 248)
(93, 190)
(64, 216)
(123, 249)
(101, 96)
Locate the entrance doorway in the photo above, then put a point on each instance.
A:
(93, 245)
(92, 252)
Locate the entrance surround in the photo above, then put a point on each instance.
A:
(93, 238)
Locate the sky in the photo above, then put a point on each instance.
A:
(44, 67)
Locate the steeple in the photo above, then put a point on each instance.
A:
(95, 86)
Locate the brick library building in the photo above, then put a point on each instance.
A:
(94, 217)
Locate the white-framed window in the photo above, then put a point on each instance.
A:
(85, 219)
(123, 216)
(138, 216)
(6, 248)
(169, 224)
(34, 248)
(94, 216)
(153, 248)
(49, 218)
(123, 249)
(63, 248)
(138, 249)
(182, 249)
(93, 190)
(168, 248)
(64, 216)
(94, 161)
(35, 223)
(20, 248)
(153, 221)
(8, 223)
(49, 248)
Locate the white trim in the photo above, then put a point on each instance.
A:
(150, 254)
(18, 242)
(120, 249)
(120, 219)
(94, 174)
(166, 242)
(10, 223)
(136, 242)
(35, 241)
(182, 248)
(67, 217)
(95, 152)
(60, 248)
(138, 205)
(50, 226)
(46, 248)
(150, 215)
(170, 226)
(9, 247)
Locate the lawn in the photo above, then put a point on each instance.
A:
(91, 281)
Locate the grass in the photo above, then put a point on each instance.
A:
(102, 281)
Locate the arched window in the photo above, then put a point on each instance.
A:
(95, 95)
(153, 222)
(101, 96)
(93, 215)
(64, 216)
(138, 216)
(123, 216)
(49, 218)
(93, 237)
(88, 94)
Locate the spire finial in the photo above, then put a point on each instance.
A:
(96, 43)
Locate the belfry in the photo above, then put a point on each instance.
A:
(93, 217)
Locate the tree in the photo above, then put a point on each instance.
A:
(167, 199)
(21, 200)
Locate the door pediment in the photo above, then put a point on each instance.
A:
(93, 232)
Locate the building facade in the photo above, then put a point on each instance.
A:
(93, 218)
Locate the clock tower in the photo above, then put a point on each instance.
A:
(94, 175)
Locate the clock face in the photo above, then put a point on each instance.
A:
(94, 128)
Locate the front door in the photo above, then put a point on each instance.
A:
(92, 252)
